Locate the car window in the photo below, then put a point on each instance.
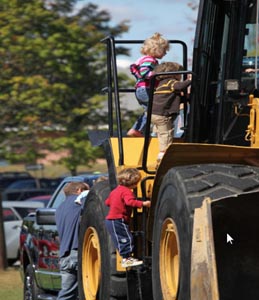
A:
(24, 211)
(22, 184)
(60, 197)
(18, 195)
(49, 183)
(9, 215)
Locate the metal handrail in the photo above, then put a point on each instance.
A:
(113, 89)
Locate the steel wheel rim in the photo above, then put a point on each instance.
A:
(91, 263)
(169, 260)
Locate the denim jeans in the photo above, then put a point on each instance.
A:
(68, 270)
(142, 95)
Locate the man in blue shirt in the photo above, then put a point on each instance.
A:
(68, 220)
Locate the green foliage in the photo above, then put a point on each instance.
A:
(52, 65)
(79, 149)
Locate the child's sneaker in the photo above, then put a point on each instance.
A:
(160, 156)
(130, 262)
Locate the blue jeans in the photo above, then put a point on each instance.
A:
(68, 270)
(142, 95)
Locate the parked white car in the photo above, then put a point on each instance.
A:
(13, 214)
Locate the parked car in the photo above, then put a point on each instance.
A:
(41, 198)
(6, 178)
(39, 245)
(27, 188)
(43, 183)
(13, 214)
(22, 194)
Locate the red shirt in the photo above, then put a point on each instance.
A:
(121, 201)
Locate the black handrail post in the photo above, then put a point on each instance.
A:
(117, 101)
(109, 86)
(147, 131)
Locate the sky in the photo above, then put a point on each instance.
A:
(174, 19)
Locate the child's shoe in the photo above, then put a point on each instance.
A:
(135, 133)
(130, 262)
(160, 156)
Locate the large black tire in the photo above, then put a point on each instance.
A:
(30, 288)
(183, 189)
(98, 277)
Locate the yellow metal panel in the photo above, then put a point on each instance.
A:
(133, 151)
(252, 134)
(118, 263)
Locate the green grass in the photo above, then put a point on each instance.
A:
(11, 286)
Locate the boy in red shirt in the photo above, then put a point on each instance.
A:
(121, 202)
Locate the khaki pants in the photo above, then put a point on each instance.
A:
(163, 126)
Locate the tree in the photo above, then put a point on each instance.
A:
(52, 66)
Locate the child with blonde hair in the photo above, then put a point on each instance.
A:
(121, 202)
(153, 48)
(166, 103)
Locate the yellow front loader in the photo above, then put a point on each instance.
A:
(199, 239)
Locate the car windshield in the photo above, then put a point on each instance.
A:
(59, 198)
